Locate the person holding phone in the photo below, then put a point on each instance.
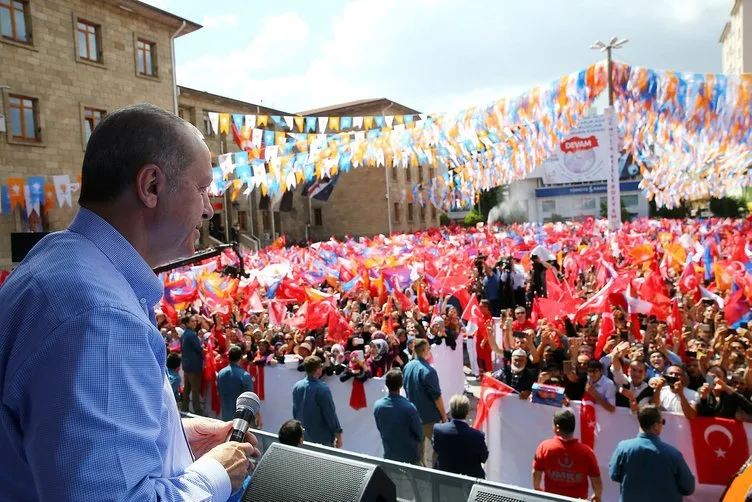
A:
(672, 395)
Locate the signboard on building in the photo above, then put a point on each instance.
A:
(582, 157)
(547, 192)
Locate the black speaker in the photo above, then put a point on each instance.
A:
(291, 474)
(22, 242)
(486, 493)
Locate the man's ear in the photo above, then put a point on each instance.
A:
(150, 183)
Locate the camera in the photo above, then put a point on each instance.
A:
(505, 264)
(671, 380)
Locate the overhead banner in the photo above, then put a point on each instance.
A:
(582, 156)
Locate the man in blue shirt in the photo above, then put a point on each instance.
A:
(313, 406)
(80, 308)
(192, 355)
(173, 368)
(232, 380)
(648, 468)
(422, 389)
(398, 422)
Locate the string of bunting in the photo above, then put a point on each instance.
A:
(689, 133)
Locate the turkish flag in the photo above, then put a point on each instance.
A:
(607, 328)
(588, 423)
(689, 282)
(490, 390)
(720, 446)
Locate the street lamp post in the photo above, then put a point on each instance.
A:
(614, 192)
(614, 43)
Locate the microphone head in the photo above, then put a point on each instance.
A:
(248, 400)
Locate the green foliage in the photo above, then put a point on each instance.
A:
(555, 218)
(625, 214)
(680, 212)
(473, 218)
(444, 220)
(727, 207)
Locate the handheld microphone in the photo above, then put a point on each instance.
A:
(246, 407)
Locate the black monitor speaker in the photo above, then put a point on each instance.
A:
(291, 474)
(486, 493)
(22, 242)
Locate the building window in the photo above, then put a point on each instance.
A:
(208, 131)
(318, 217)
(14, 20)
(422, 213)
(420, 174)
(396, 212)
(409, 211)
(92, 118)
(548, 206)
(187, 114)
(89, 41)
(243, 220)
(587, 203)
(433, 213)
(629, 200)
(394, 174)
(266, 221)
(408, 175)
(146, 58)
(23, 118)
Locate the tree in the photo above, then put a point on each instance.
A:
(625, 214)
(726, 207)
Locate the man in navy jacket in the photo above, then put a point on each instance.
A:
(460, 448)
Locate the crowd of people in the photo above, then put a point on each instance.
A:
(652, 317)
(603, 315)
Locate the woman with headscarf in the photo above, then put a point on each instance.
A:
(378, 362)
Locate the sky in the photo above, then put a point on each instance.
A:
(429, 55)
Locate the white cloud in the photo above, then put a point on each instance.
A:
(440, 55)
(231, 73)
(220, 21)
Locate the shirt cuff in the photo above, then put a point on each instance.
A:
(216, 477)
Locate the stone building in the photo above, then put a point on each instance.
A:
(63, 65)
(195, 107)
(359, 205)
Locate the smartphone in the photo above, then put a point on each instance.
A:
(518, 334)
(568, 367)
(624, 336)
(691, 353)
(671, 380)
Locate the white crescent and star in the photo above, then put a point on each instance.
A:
(719, 452)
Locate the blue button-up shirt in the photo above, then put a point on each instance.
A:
(400, 427)
(313, 406)
(649, 469)
(421, 383)
(86, 410)
(232, 380)
(191, 352)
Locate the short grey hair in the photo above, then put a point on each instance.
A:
(459, 406)
(128, 139)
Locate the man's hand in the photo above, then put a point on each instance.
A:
(203, 434)
(677, 387)
(595, 498)
(338, 440)
(656, 383)
(235, 458)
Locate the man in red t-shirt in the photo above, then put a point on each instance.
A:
(521, 322)
(564, 464)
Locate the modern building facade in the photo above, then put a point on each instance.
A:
(735, 37)
(63, 65)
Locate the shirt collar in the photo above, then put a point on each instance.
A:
(121, 253)
(647, 435)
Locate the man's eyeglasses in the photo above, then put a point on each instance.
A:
(288, 339)
(520, 313)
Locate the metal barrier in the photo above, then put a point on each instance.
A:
(418, 484)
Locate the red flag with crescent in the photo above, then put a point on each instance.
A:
(720, 446)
